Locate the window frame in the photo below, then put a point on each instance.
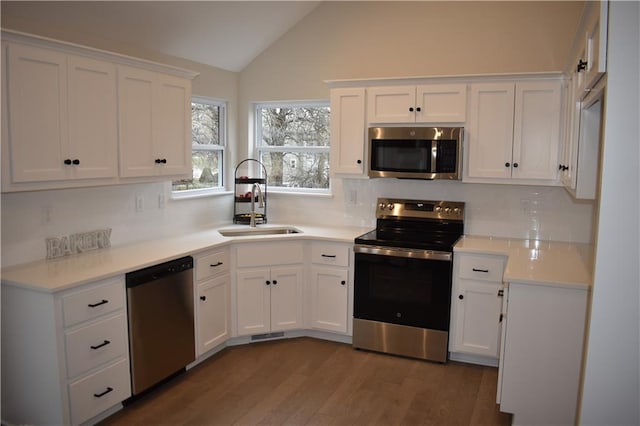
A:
(221, 147)
(257, 138)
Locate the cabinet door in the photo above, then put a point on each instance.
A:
(536, 135)
(477, 317)
(490, 130)
(213, 310)
(135, 115)
(596, 42)
(329, 298)
(395, 104)
(286, 298)
(92, 118)
(348, 131)
(441, 103)
(253, 301)
(172, 125)
(37, 100)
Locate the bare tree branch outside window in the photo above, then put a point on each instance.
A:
(293, 144)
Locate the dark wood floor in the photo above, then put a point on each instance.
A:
(306, 381)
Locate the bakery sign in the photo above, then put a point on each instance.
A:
(78, 243)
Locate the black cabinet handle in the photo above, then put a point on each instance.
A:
(501, 316)
(480, 270)
(515, 165)
(500, 293)
(161, 161)
(100, 395)
(507, 164)
(565, 168)
(102, 302)
(328, 255)
(582, 65)
(105, 343)
(410, 109)
(213, 265)
(460, 297)
(343, 282)
(203, 298)
(67, 161)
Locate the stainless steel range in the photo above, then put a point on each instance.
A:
(402, 292)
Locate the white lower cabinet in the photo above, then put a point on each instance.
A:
(213, 300)
(539, 374)
(65, 355)
(476, 308)
(269, 300)
(269, 287)
(330, 286)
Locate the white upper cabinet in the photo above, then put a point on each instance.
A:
(433, 103)
(514, 132)
(62, 116)
(93, 133)
(490, 130)
(74, 116)
(591, 40)
(155, 123)
(348, 131)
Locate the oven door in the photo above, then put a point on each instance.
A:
(402, 286)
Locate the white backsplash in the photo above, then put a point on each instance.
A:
(546, 213)
(516, 211)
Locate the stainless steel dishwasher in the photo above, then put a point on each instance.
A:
(161, 323)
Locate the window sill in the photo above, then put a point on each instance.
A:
(300, 193)
(196, 193)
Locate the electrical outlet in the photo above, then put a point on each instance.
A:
(139, 203)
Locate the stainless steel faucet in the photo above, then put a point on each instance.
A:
(252, 223)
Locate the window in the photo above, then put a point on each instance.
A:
(208, 122)
(292, 141)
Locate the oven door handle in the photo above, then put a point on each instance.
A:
(403, 252)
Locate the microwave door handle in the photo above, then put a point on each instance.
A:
(434, 155)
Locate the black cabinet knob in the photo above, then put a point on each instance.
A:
(275, 282)
(515, 165)
(203, 298)
(507, 164)
(164, 161)
(161, 161)
(67, 161)
(410, 109)
(359, 161)
(268, 282)
(418, 109)
(582, 65)
(76, 162)
(461, 297)
(343, 282)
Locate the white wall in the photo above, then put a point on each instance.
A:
(611, 382)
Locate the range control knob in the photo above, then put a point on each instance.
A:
(390, 206)
(438, 208)
(381, 206)
(447, 209)
(456, 210)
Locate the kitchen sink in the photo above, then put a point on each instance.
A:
(244, 232)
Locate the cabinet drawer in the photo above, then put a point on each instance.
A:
(480, 267)
(269, 254)
(91, 303)
(212, 264)
(95, 344)
(100, 391)
(330, 254)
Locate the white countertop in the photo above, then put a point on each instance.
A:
(536, 262)
(67, 272)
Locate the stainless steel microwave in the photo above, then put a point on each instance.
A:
(415, 152)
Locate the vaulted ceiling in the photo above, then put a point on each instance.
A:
(223, 34)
